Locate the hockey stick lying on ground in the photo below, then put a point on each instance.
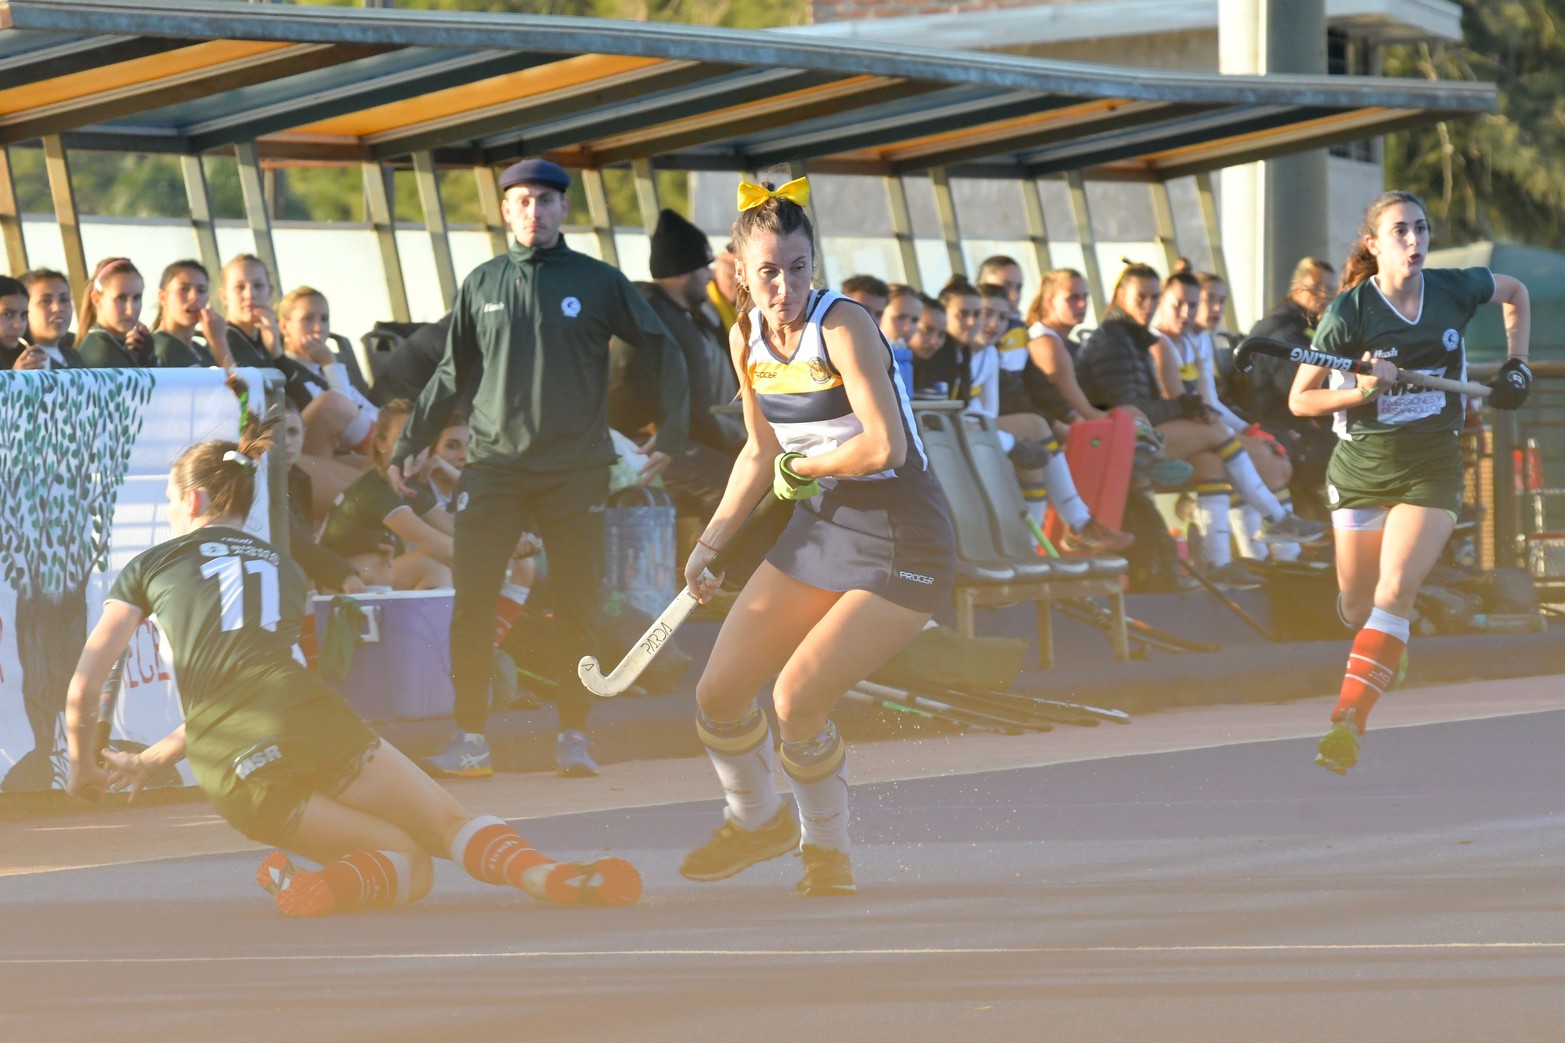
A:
(1229, 603)
(1251, 346)
(1088, 611)
(648, 645)
(959, 704)
(1042, 705)
(938, 711)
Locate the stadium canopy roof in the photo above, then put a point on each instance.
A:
(350, 85)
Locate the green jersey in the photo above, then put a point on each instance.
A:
(357, 522)
(529, 341)
(1431, 343)
(230, 606)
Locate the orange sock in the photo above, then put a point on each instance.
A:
(508, 609)
(491, 851)
(367, 880)
(1372, 664)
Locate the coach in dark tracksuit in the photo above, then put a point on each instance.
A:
(529, 344)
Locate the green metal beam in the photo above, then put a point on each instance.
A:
(602, 217)
(11, 218)
(428, 182)
(65, 215)
(377, 206)
(256, 213)
(201, 223)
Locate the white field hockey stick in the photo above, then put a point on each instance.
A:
(657, 635)
(1309, 357)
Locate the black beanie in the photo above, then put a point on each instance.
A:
(678, 247)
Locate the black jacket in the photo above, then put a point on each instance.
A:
(1270, 380)
(636, 375)
(1115, 368)
(530, 331)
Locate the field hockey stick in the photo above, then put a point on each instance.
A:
(1228, 602)
(1252, 346)
(1100, 712)
(960, 720)
(669, 620)
(962, 715)
(108, 698)
(1013, 705)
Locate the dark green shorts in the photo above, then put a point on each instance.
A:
(290, 748)
(1385, 470)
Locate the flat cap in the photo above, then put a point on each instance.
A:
(535, 172)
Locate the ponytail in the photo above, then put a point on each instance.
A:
(227, 470)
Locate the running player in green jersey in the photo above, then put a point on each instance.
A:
(1394, 484)
(281, 756)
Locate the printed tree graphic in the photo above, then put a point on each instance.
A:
(65, 444)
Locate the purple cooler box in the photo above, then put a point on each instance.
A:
(402, 664)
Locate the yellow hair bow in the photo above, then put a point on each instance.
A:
(752, 195)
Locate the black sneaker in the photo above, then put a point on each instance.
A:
(733, 849)
(827, 873)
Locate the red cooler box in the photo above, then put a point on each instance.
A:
(1101, 454)
(402, 664)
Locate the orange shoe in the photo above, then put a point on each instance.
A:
(297, 892)
(1096, 538)
(608, 881)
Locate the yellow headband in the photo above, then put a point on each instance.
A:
(752, 195)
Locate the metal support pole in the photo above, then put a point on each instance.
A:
(11, 218)
(65, 215)
(201, 223)
(1205, 186)
(428, 181)
(1507, 526)
(494, 215)
(945, 206)
(902, 228)
(1089, 242)
(255, 208)
(377, 205)
(646, 193)
(797, 170)
(602, 216)
(1163, 217)
(1037, 227)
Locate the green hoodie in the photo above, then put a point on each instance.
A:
(530, 331)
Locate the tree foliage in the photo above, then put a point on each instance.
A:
(1493, 176)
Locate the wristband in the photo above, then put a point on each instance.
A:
(1369, 393)
(707, 545)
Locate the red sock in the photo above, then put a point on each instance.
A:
(367, 880)
(491, 851)
(1372, 664)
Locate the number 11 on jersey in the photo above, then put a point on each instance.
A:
(231, 574)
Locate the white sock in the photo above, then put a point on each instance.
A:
(742, 754)
(1067, 502)
(1242, 473)
(1386, 623)
(1246, 522)
(1285, 551)
(358, 429)
(817, 771)
(1211, 512)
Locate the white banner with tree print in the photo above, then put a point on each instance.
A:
(84, 462)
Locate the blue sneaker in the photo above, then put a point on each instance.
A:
(466, 756)
(573, 756)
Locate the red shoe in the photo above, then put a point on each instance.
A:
(1095, 538)
(608, 881)
(297, 892)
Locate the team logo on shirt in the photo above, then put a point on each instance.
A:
(570, 307)
(818, 371)
(1451, 339)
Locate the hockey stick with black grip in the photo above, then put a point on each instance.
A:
(669, 620)
(1251, 346)
(108, 699)
(1009, 724)
(1229, 603)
